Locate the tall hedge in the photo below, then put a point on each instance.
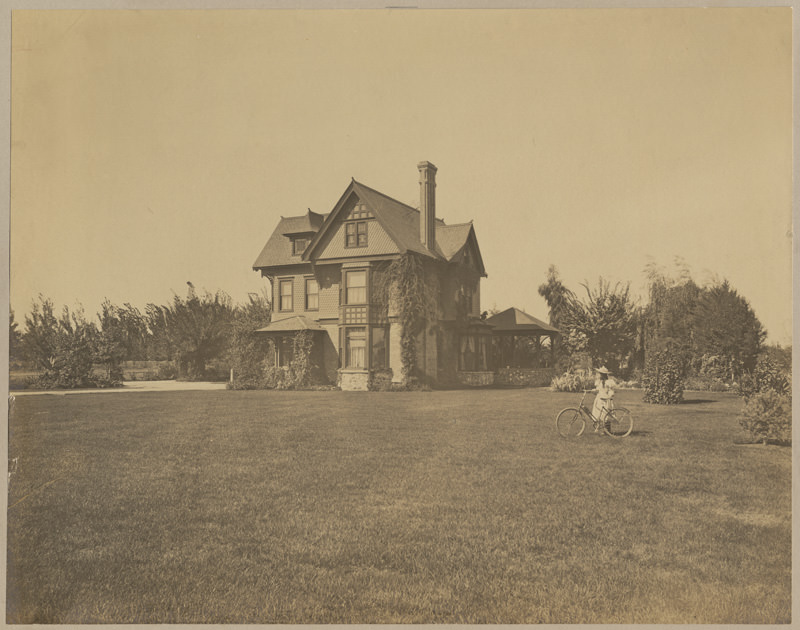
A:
(663, 378)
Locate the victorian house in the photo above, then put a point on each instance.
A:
(331, 274)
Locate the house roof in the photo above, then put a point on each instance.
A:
(400, 221)
(291, 324)
(513, 320)
(309, 222)
(278, 250)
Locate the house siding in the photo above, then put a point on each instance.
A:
(329, 279)
(379, 243)
(298, 296)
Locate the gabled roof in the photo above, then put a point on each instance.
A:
(453, 239)
(278, 250)
(309, 222)
(514, 320)
(291, 324)
(399, 220)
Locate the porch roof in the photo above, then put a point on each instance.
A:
(513, 321)
(291, 324)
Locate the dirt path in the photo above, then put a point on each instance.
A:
(131, 386)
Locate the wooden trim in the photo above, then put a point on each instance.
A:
(305, 294)
(290, 280)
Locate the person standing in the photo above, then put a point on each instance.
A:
(604, 401)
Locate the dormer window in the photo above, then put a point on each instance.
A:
(355, 234)
(299, 246)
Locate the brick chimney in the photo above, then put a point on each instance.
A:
(427, 204)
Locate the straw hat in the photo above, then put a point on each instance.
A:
(603, 370)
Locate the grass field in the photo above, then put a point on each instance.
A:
(448, 507)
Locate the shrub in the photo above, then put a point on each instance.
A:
(706, 384)
(767, 376)
(255, 368)
(767, 416)
(250, 353)
(61, 348)
(166, 372)
(572, 382)
(381, 381)
(275, 377)
(663, 378)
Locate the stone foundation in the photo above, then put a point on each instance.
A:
(353, 381)
(524, 377)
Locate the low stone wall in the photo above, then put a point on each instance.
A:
(476, 379)
(353, 381)
(524, 377)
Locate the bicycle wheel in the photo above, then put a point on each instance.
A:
(570, 423)
(618, 423)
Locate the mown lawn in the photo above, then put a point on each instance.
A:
(447, 507)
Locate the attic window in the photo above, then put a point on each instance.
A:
(360, 211)
(299, 246)
(355, 234)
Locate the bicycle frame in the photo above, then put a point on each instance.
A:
(588, 412)
(615, 422)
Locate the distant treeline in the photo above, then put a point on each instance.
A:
(196, 333)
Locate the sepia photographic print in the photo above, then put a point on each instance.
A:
(424, 314)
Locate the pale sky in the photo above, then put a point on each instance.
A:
(150, 148)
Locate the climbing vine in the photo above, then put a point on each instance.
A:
(408, 287)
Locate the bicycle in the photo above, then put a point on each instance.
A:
(616, 422)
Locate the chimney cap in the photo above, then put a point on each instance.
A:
(427, 165)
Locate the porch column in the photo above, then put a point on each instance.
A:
(395, 349)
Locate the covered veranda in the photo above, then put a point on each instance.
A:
(518, 340)
(282, 333)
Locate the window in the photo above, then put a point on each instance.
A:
(355, 347)
(468, 298)
(284, 350)
(360, 211)
(312, 295)
(355, 234)
(356, 287)
(285, 295)
(379, 349)
(299, 246)
(473, 355)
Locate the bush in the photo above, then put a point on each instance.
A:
(663, 378)
(167, 372)
(766, 377)
(572, 382)
(768, 416)
(381, 381)
(706, 384)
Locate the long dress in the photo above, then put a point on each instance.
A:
(605, 397)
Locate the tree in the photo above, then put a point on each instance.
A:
(668, 318)
(197, 329)
(727, 329)
(136, 337)
(249, 351)
(604, 325)
(557, 297)
(110, 344)
(159, 346)
(61, 348)
(14, 339)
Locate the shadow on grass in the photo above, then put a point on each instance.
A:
(697, 401)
